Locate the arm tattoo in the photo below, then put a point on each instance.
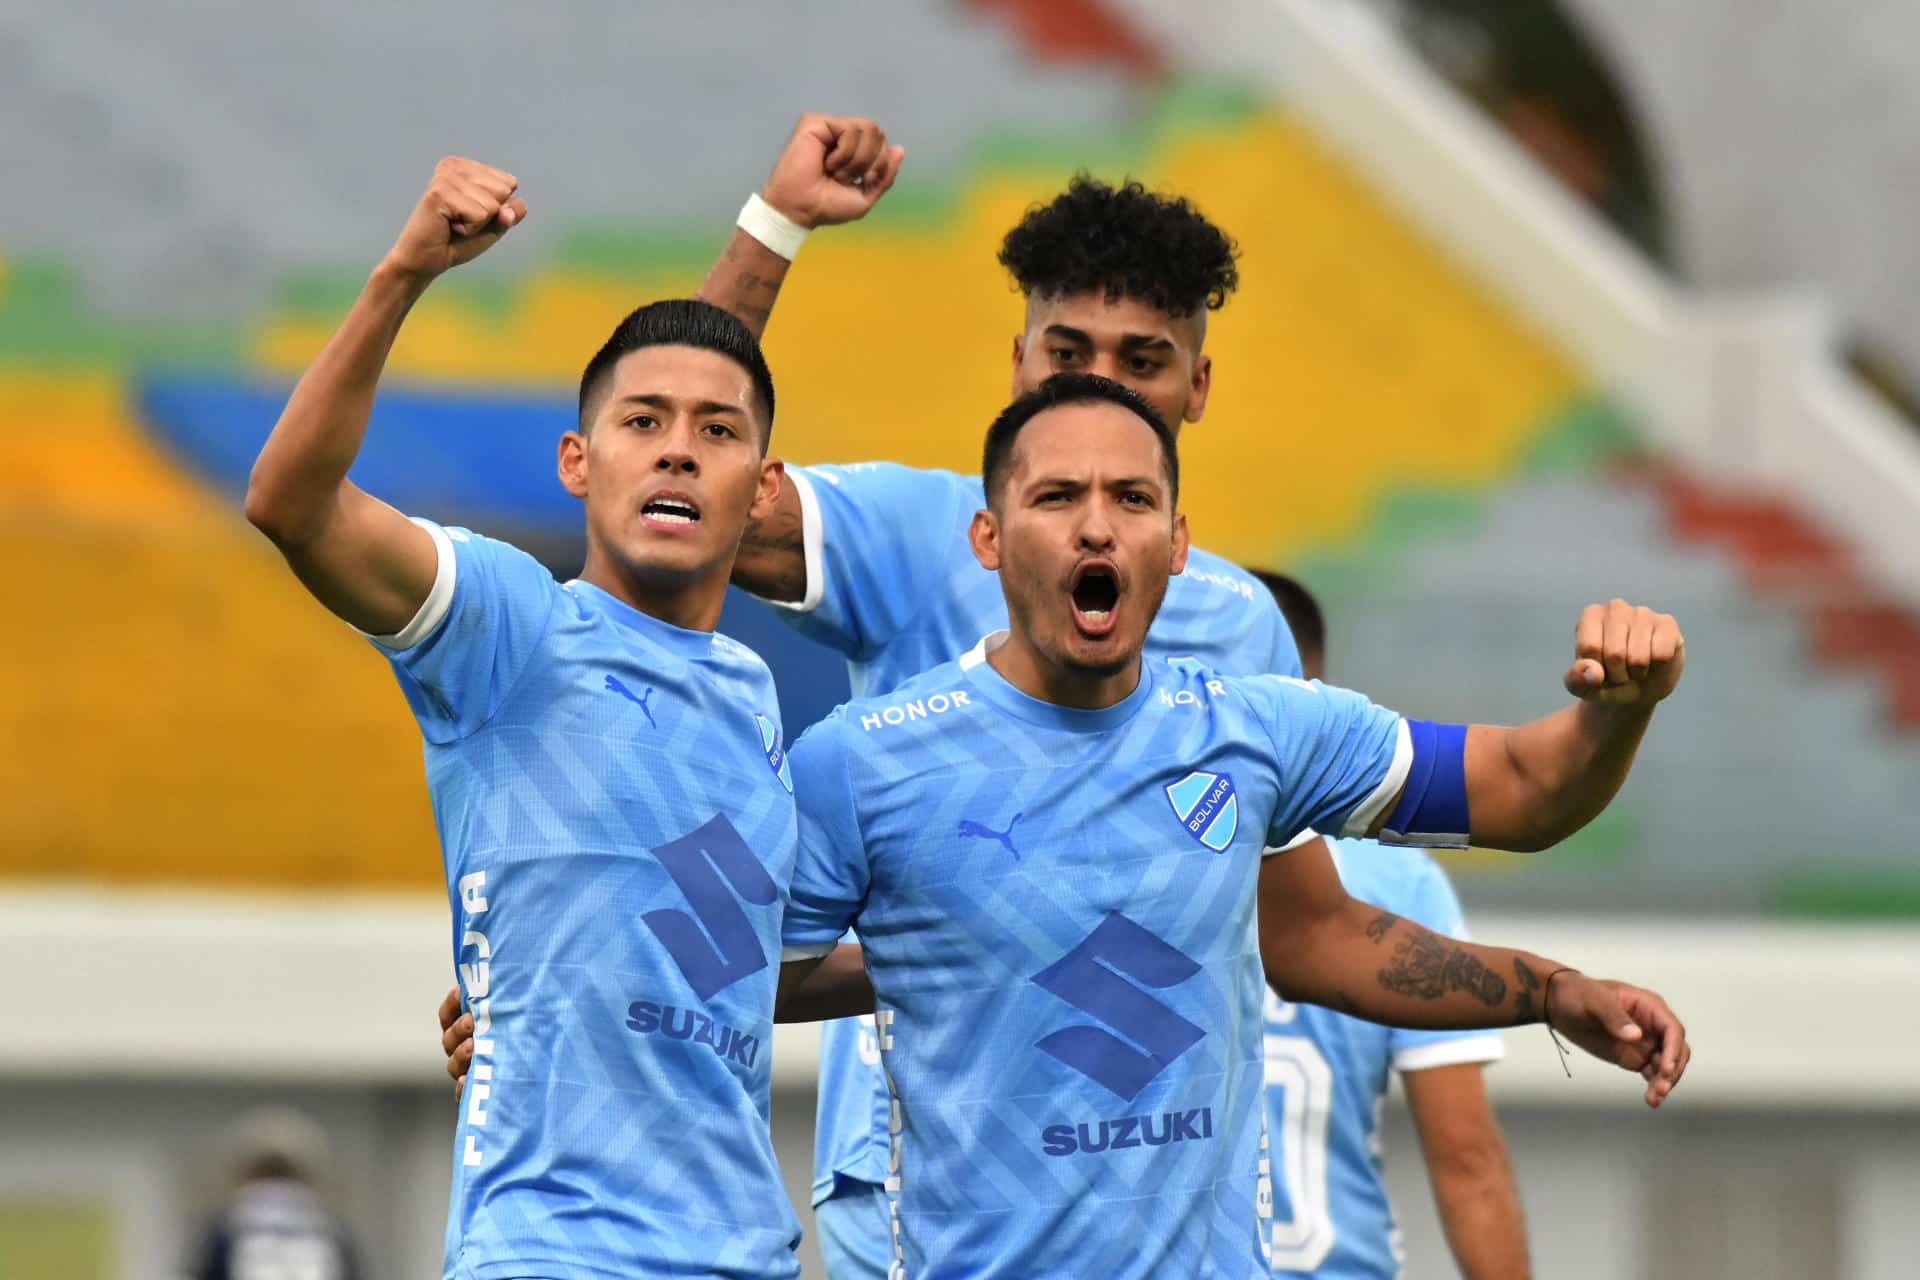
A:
(772, 534)
(1523, 992)
(741, 290)
(1428, 966)
(1380, 925)
(772, 561)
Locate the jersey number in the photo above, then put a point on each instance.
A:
(712, 864)
(1297, 1068)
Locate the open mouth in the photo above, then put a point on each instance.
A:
(671, 509)
(1095, 594)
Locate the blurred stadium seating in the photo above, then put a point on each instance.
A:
(1425, 410)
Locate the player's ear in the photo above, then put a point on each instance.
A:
(1019, 358)
(572, 463)
(1199, 386)
(773, 478)
(983, 535)
(1180, 544)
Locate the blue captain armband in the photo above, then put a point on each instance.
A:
(1432, 812)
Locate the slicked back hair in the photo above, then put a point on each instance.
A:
(1126, 242)
(680, 322)
(1068, 389)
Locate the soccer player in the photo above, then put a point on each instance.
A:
(1050, 852)
(872, 559)
(615, 809)
(1327, 1078)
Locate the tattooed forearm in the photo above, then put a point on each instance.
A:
(1378, 927)
(1529, 982)
(746, 280)
(746, 294)
(1428, 966)
(772, 535)
(772, 561)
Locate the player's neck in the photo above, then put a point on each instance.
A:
(1037, 676)
(693, 605)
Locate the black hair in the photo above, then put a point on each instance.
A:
(1302, 612)
(1127, 241)
(271, 1164)
(680, 322)
(1064, 389)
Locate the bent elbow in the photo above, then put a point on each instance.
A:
(1476, 1156)
(261, 510)
(267, 509)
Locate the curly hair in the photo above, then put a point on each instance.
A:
(1127, 241)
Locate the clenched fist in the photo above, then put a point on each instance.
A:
(832, 170)
(465, 208)
(1625, 654)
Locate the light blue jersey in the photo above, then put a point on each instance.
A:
(1326, 1081)
(893, 585)
(1057, 910)
(617, 822)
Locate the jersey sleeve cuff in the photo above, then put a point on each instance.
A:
(1449, 1053)
(1309, 834)
(805, 950)
(811, 542)
(433, 610)
(1368, 811)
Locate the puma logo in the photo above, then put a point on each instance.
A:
(968, 827)
(614, 686)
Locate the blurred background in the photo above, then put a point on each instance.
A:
(1540, 304)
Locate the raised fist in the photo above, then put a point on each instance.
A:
(466, 207)
(1625, 654)
(832, 170)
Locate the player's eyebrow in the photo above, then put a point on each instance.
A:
(1128, 341)
(1074, 483)
(701, 408)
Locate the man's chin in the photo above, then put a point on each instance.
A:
(1106, 656)
(671, 566)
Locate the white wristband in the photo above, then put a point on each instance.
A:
(771, 227)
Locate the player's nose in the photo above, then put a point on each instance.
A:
(1096, 532)
(677, 453)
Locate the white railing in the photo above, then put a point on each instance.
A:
(171, 985)
(1748, 390)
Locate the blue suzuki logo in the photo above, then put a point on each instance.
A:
(717, 945)
(776, 756)
(1104, 977)
(1206, 807)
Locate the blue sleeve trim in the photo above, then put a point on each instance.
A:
(1433, 803)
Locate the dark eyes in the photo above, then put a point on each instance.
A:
(1138, 366)
(1136, 499)
(647, 422)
